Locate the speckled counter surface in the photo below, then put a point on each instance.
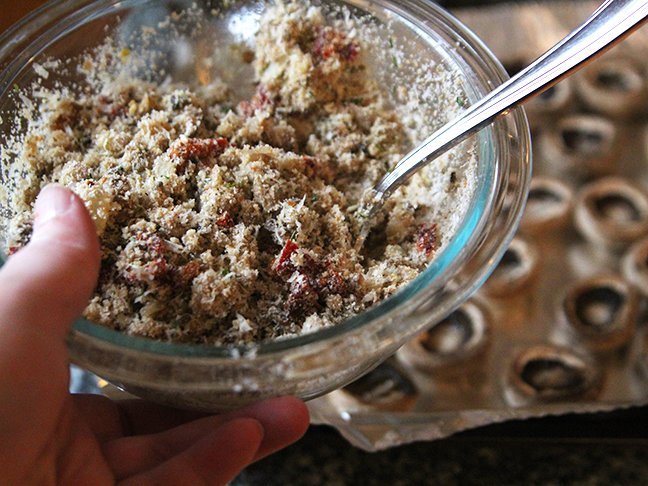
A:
(607, 449)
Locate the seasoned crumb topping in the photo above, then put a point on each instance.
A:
(225, 221)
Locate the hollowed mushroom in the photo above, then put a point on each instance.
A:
(387, 387)
(602, 312)
(554, 100)
(582, 145)
(458, 338)
(613, 87)
(611, 212)
(546, 373)
(634, 266)
(548, 205)
(517, 267)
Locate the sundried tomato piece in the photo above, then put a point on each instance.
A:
(157, 245)
(309, 161)
(302, 299)
(330, 42)
(261, 98)
(188, 272)
(199, 148)
(158, 267)
(104, 100)
(426, 238)
(331, 283)
(282, 264)
(350, 51)
(246, 110)
(118, 111)
(153, 270)
(225, 220)
(310, 265)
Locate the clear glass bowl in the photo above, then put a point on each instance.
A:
(217, 378)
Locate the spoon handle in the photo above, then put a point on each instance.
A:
(610, 23)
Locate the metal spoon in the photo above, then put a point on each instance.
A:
(611, 22)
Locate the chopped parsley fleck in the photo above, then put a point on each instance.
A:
(391, 42)
(460, 102)
(395, 61)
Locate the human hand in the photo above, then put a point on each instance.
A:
(49, 436)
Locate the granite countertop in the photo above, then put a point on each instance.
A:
(606, 449)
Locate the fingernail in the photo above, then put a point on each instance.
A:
(54, 200)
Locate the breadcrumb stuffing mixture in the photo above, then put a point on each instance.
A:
(230, 223)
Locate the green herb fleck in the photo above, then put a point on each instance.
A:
(356, 100)
(391, 42)
(293, 236)
(314, 198)
(395, 61)
(460, 102)
(225, 272)
(16, 88)
(232, 184)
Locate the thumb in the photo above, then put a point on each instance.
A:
(49, 281)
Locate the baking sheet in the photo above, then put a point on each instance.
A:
(592, 127)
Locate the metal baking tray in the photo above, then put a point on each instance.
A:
(560, 326)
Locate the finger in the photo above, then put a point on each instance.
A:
(285, 415)
(284, 421)
(110, 420)
(215, 459)
(46, 285)
(43, 288)
(101, 415)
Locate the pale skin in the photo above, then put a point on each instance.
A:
(51, 437)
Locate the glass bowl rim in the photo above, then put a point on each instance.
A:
(473, 219)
